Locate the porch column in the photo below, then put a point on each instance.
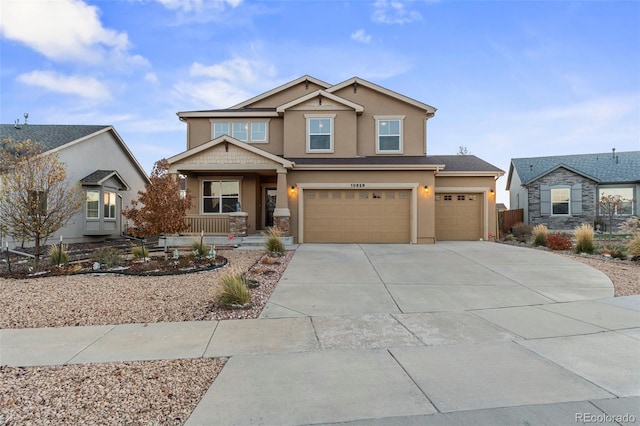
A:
(282, 214)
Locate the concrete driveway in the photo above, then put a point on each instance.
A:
(465, 333)
(446, 334)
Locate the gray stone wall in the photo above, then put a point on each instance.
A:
(563, 176)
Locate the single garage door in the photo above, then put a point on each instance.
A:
(458, 216)
(357, 216)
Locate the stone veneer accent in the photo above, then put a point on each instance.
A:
(283, 223)
(562, 176)
(238, 224)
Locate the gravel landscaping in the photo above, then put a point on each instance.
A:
(149, 392)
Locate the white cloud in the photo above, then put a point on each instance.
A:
(198, 5)
(227, 83)
(88, 88)
(393, 12)
(65, 30)
(151, 77)
(361, 36)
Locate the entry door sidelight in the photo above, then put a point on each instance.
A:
(269, 206)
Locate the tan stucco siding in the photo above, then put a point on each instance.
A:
(198, 132)
(378, 104)
(344, 133)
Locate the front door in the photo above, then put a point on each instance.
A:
(269, 206)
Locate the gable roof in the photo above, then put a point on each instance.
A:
(100, 176)
(323, 93)
(282, 88)
(56, 137)
(359, 81)
(230, 140)
(49, 136)
(619, 167)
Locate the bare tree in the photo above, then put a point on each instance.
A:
(609, 207)
(37, 199)
(160, 209)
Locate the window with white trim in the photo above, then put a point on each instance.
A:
(109, 205)
(240, 131)
(320, 133)
(389, 134)
(560, 201)
(220, 196)
(220, 129)
(245, 131)
(93, 205)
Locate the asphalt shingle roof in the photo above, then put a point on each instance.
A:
(49, 136)
(453, 163)
(621, 167)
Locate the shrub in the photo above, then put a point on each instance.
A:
(521, 231)
(108, 256)
(274, 242)
(559, 241)
(584, 239)
(58, 254)
(140, 252)
(539, 235)
(234, 290)
(633, 247)
(200, 249)
(630, 226)
(615, 252)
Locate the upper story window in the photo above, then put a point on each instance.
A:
(320, 133)
(245, 131)
(220, 196)
(220, 129)
(240, 131)
(621, 201)
(109, 205)
(389, 134)
(560, 201)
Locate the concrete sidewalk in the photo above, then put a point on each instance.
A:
(448, 334)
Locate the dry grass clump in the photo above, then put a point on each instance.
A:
(274, 242)
(234, 290)
(633, 247)
(584, 239)
(539, 233)
(58, 254)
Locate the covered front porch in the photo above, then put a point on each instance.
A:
(237, 189)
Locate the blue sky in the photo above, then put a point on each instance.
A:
(509, 78)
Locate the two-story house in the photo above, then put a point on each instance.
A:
(331, 163)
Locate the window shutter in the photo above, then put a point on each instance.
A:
(576, 199)
(545, 200)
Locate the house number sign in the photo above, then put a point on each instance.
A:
(357, 185)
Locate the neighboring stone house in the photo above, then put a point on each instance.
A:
(97, 158)
(563, 192)
(331, 163)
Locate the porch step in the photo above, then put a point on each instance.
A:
(250, 241)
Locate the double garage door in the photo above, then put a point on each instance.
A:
(458, 216)
(357, 216)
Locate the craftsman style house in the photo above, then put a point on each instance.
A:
(331, 163)
(98, 159)
(563, 191)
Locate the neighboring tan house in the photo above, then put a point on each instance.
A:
(562, 192)
(97, 158)
(331, 163)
